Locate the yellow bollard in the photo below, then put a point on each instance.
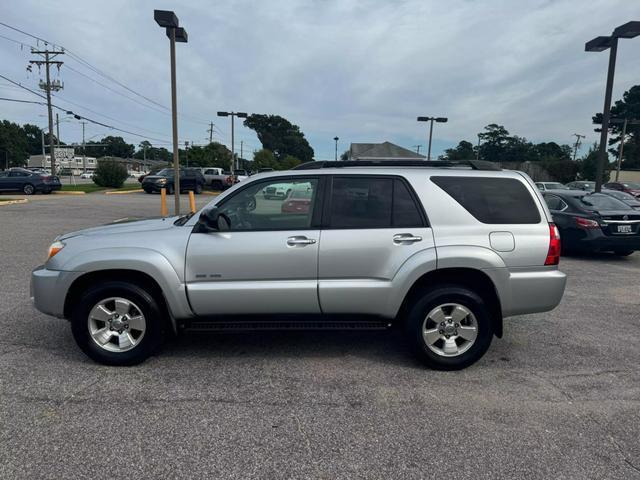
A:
(163, 202)
(192, 202)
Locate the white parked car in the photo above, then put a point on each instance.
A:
(86, 176)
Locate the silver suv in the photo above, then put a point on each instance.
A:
(445, 251)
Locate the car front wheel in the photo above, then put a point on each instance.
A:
(117, 323)
(449, 327)
(28, 189)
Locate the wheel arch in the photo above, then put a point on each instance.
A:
(471, 278)
(137, 277)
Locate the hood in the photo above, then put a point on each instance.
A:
(153, 178)
(126, 225)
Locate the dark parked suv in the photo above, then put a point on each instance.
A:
(27, 182)
(190, 179)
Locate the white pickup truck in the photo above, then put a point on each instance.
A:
(217, 178)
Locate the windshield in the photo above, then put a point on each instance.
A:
(600, 201)
(633, 186)
(165, 172)
(621, 195)
(556, 186)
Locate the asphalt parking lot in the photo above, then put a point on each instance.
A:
(557, 397)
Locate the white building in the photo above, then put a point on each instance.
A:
(65, 159)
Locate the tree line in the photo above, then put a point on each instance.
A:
(284, 146)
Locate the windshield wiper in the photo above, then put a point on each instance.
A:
(184, 219)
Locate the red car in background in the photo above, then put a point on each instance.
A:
(628, 187)
(298, 201)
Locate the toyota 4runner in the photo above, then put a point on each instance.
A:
(445, 251)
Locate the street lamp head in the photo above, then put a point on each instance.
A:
(424, 119)
(628, 30)
(441, 119)
(598, 44)
(241, 114)
(223, 114)
(181, 34)
(165, 18)
(336, 138)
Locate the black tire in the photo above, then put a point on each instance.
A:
(28, 189)
(623, 253)
(425, 302)
(148, 190)
(154, 318)
(198, 189)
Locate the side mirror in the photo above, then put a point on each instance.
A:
(212, 220)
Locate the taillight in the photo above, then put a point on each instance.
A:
(586, 223)
(553, 255)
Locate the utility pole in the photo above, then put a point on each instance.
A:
(210, 130)
(335, 139)
(48, 86)
(84, 156)
(417, 147)
(43, 153)
(577, 145)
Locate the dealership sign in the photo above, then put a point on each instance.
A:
(64, 154)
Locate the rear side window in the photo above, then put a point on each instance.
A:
(555, 203)
(373, 202)
(361, 202)
(492, 200)
(405, 210)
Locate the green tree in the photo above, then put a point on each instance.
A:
(493, 143)
(112, 147)
(14, 147)
(588, 165)
(289, 162)
(280, 136)
(345, 155)
(463, 151)
(33, 135)
(265, 159)
(110, 173)
(628, 107)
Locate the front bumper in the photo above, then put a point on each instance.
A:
(49, 289)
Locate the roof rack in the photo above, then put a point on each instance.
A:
(473, 164)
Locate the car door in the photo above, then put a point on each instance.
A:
(266, 263)
(5, 181)
(17, 180)
(372, 225)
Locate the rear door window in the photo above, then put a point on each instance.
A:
(406, 212)
(361, 202)
(492, 200)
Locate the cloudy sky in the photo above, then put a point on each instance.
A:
(359, 69)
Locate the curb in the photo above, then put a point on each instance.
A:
(60, 192)
(122, 192)
(13, 202)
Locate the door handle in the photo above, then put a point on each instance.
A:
(293, 241)
(402, 238)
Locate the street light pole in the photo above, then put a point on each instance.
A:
(168, 20)
(577, 145)
(599, 44)
(431, 119)
(336, 140)
(233, 145)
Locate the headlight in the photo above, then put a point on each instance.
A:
(55, 248)
(161, 181)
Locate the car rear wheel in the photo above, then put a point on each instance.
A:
(28, 189)
(449, 327)
(117, 323)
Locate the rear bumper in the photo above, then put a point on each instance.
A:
(49, 289)
(595, 240)
(532, 291)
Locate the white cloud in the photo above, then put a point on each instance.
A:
(362, 70)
